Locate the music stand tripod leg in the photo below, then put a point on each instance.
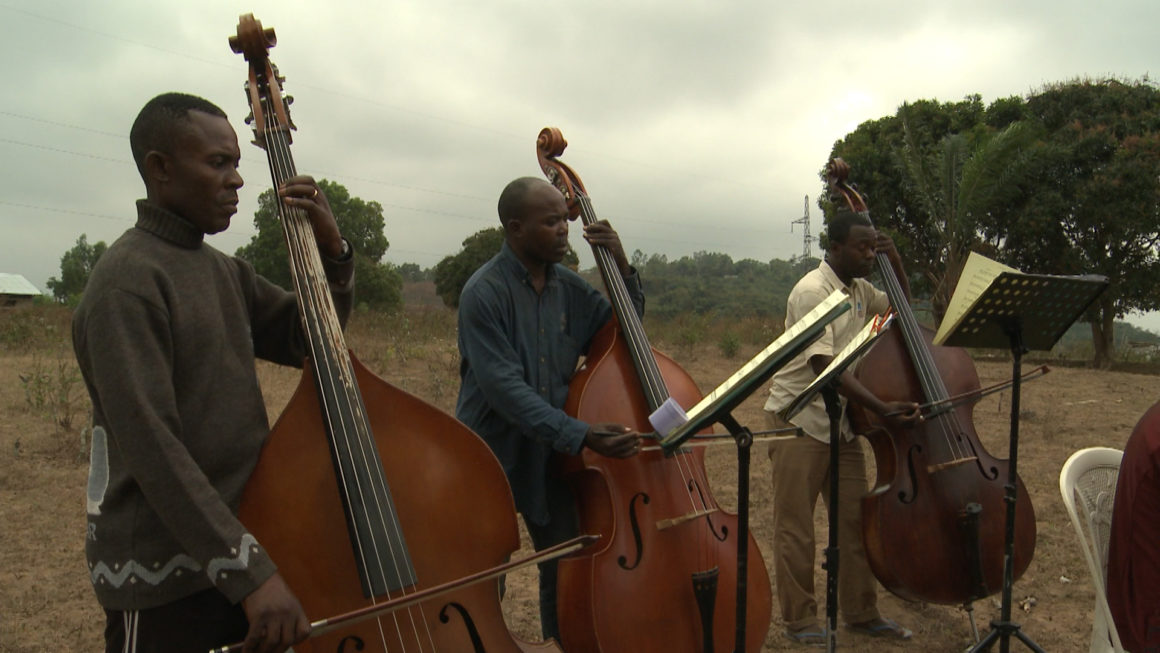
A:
(834, 412)
(744, 438)
(1004, 628)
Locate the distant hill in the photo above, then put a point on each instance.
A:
(1126, 335)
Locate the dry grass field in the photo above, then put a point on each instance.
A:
(47, 605)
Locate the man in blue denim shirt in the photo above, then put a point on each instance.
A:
(524, 322)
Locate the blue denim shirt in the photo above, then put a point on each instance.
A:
(518, 351)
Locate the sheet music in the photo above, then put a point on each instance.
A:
(835, 298)
(994, 301)
(852, 350)
(977, 275)
(761, 364)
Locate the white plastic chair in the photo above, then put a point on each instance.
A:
(1090, 474)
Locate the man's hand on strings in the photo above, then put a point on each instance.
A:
(303, 193)
(601, 233)
(612, 440)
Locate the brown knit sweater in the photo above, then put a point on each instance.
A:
(166, 337)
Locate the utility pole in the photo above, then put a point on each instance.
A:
(807, 239)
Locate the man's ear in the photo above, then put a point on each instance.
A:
(157, 166)
(514, 228)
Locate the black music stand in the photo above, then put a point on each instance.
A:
(1022, 312)
(717, 408)
(827, 384)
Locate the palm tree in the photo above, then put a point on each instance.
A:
(955, 186)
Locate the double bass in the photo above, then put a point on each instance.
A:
(663, 576)
(365, 495)
(934, 524)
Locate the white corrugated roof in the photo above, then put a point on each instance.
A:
(14, 284)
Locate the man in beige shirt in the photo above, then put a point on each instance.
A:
(801, 467)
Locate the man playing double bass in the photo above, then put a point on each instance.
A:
(801, 466)
(524, 322)
(166, 337)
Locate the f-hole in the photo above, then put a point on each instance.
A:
(468, 623)
(635, 521)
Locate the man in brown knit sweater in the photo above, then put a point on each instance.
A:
(166, 336)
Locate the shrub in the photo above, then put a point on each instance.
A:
(729, 344)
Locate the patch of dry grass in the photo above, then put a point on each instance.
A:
(46, 603)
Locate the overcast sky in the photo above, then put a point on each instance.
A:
(696, 126)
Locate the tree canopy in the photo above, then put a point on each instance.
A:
(75, 267)
(452, 273)
(713, 283)
(1062, 182)
(378, 285)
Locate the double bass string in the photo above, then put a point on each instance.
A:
(633, 330)
(325, 342)
(929, 379)
(312, 308)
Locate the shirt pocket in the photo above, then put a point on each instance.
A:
(567, 353)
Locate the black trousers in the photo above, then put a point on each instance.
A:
(195, 624)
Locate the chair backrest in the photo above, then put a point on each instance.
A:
(1088, 481)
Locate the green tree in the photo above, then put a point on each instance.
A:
(377, 285)
(75, 267)
(909, 168)
(1095, 206)
(952, 188)
(1062, 182)
(412, 272)
(452, 273)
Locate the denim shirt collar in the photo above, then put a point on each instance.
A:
(516, 268)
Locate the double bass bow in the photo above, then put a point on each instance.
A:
(368, 499)
(935, 474)
(664, 575)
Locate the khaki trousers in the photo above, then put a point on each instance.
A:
(801, 472)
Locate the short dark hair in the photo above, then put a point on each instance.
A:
(511, 200)
(154, 128)
(838, 227)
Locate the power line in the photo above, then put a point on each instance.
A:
(339, 94)
(341, 178)
(378, 103)
(127, 218)
(316, 172)
(63, 151)
(112, 36)
(63, 124)
(72, 211)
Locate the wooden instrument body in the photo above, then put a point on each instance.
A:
(916, 529)
(335, 519)
(633, 590)
(934, 525)
(453, 504)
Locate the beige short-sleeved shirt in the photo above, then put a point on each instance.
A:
(865, 302)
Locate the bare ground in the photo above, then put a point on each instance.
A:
(47, 605)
